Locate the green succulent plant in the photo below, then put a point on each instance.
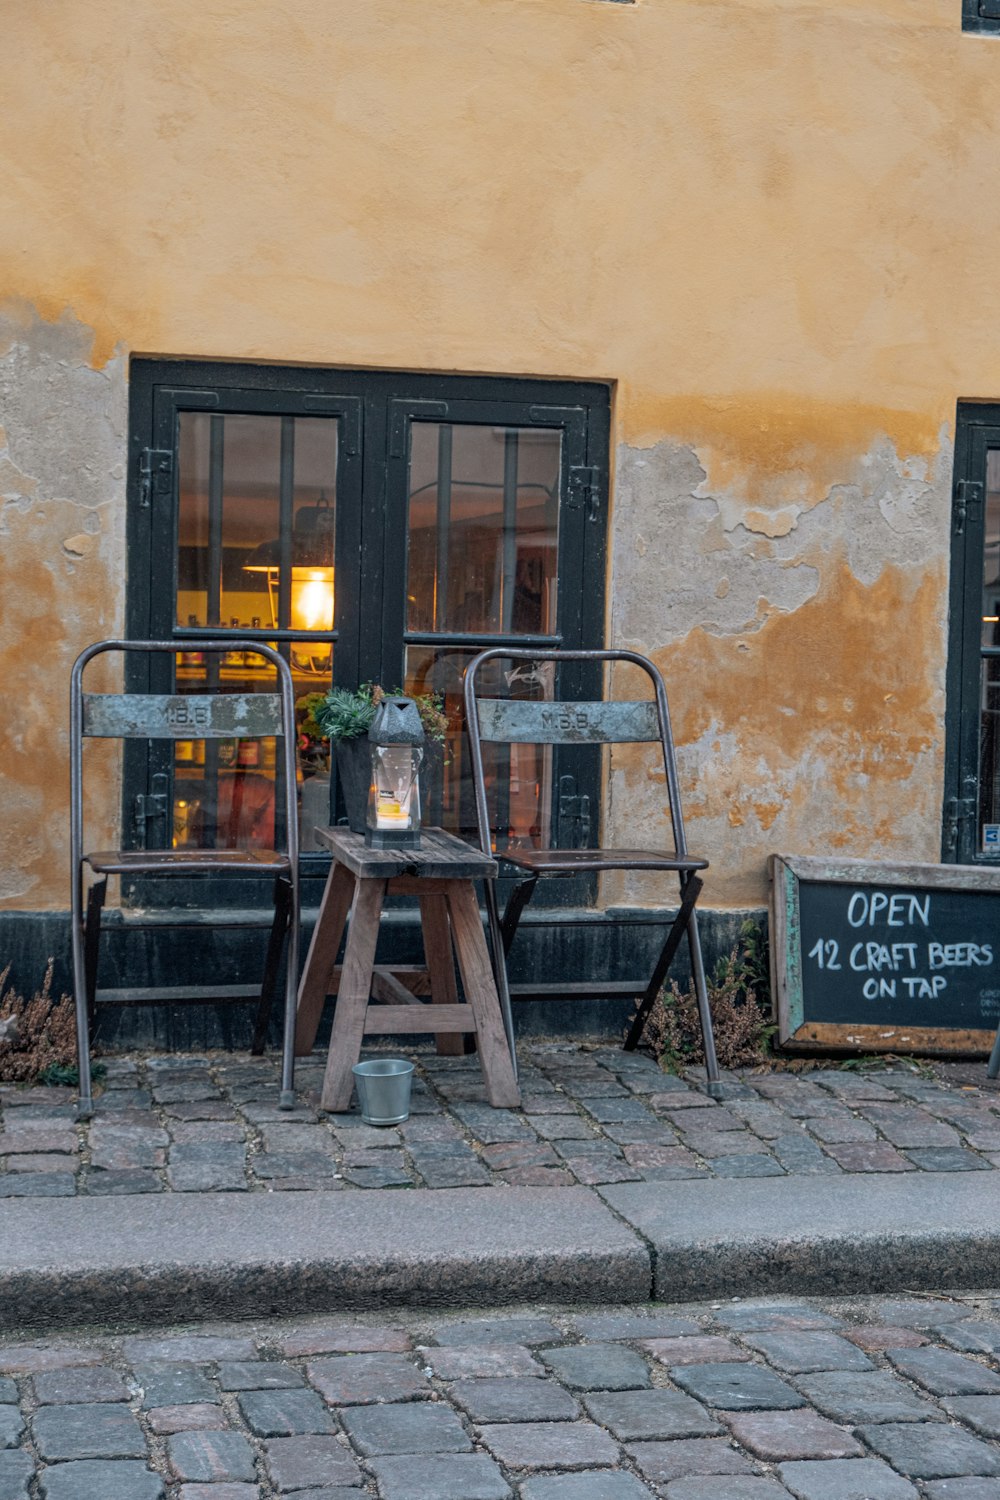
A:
(347, 714)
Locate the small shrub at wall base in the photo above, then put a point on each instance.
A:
(740, 1002)
(41, 1046)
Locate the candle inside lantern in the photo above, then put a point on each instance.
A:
(395, 799)
(395, 803)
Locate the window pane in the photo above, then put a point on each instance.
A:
(518, 777)
(483, 529)
(257, 498)
(991, 551)
(989, 748)
(989, 738)
(227, 792)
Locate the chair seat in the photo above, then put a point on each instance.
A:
(583, 861)
(193, 861)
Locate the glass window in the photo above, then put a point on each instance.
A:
(989, 742)
(255, 522)
(972, 743)
(483, 529)
(256, 512)
(518, 777)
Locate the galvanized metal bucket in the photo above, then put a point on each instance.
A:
(384, 1090)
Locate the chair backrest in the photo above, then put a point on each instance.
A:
(517, 721)
(183, 716)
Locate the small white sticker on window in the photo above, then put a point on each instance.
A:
(991, 838)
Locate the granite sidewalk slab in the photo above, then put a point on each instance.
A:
(92, 1261)
(83, 1260)
(191, 1194)
(816, 1235)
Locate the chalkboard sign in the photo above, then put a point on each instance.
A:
(885, 958)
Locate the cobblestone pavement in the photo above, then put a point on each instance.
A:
(592, 1114)
(881, 1399)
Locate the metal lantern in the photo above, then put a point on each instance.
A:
(396, 738)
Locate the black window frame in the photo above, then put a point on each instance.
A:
(382, 405)
(981, 15)
(977, 430)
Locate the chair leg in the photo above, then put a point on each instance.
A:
(286, 1098)
(498, 955)
(690, 894)
(705, 1014)
(84, 938)
(91, 944)
(516, 902)
(272, 963)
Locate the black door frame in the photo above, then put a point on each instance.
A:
(376, 409)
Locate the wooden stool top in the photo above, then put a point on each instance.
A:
(441, 856)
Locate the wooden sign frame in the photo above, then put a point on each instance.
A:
(795, 1032)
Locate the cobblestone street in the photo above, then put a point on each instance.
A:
(592, 1115)
(880, 1399)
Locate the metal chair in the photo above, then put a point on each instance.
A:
(571, 722)
(211, 715)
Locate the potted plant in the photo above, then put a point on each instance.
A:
(345, 716)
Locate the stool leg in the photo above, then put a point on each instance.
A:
(441, 967)
(481, 993)
(353, 995)
(322, 956)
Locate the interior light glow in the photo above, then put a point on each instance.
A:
(312, 599)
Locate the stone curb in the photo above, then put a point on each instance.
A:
(181, 1257)
(198, 1256)
(816, 1235)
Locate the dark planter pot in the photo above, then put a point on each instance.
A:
(354, 768)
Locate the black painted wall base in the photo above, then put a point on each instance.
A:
(586, 944)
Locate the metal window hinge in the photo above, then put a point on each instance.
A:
(967, 498)
(956, 811)
(585, 490)
(574, 815)
(156, 474)
(150, 806)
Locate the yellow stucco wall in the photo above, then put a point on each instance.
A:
(770, 222)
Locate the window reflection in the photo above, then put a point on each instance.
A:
(483, 529)
(255, 547)
(518, 777)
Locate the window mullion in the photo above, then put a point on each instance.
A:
(216, 463)
(443, 524)
(286, 491)
(510, 455)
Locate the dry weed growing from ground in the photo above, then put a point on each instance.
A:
(740, 1002)
(42, 1046)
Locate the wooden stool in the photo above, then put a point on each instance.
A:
(441, 874)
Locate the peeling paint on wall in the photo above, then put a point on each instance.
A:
(62, 531)
(804, 662)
